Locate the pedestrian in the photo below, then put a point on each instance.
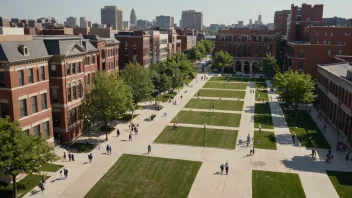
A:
(227, 168)
(61, 174)
(110, 149)
(149, 149)
(181, 96)
(69, 157)
(118, 132)
(66, 173)
(43, 179)
(213, 107)
(107, 149)
(174, 126)
(64, 156)
(130, 137)
(253, 149)
(91, 158)
(41, 186)
(250, 152)
(348, 156)
(248, 139)
(314, 152)
(222, 168)
(73, 157)
(176, 120)
(293, 138)
(129, 126)
(136, 131)
(165, 114)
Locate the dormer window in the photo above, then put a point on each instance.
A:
(24, 50)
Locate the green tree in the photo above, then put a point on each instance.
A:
(21, 153)
(194, 54)
(208, 45)
(294, 88)
(139, 81)
(201, 48)
(110, 97)
(221, 60)
(269, 66)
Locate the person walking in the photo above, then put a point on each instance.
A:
(149, 149)
(222, 168)
(227, 168)
(61, 174)
(348, 156)
(118, 132)
(181, 96)
(293, 138)
(248, 139)
(176, 120)
(69, 157)
(107, 149)
(64, 156)
(110, 149)
(73, 157)
(314, 152)
(253, 150)
(41, 186)
(130, 137)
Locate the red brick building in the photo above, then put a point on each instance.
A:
(248, 47)
(280, 21)
(134, 47)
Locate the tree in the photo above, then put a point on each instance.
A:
(269, 66)
(208, 45)
(139, 81)
(21, 153)
(221, 60)
(294, 88)
(109, 98)
(194, 54)
(201, 48)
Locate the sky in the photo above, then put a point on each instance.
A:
(214, 11)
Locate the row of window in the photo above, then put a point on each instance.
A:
(30, 76)
(329, 42)
(332, 34)
(73, 68)
(45, 134)
(34, 105)
(238, 38)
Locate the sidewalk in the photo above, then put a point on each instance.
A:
(218, 98)
(202, 126)
(214, 111)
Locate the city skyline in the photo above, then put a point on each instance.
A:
(219, 13)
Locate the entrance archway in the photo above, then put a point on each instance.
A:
(238, 66)
(246, 67)
(255, 68)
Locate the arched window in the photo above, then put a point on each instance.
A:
(80, 93)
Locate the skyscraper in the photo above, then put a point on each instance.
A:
(71, 21)
(260, 19)
(192, 19)
(250, 22)
(112, 15)
(133, 17)
(164, 21)
(83, 22)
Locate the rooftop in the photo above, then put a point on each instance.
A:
(339, 69)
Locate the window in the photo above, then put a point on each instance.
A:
(329, 52)
(34, 104)
(42, 73)
(317, 34)
(74, 91)
(68, 69)
(93, 59)
(26, 131)
(46, 133)
(43, 99)
(344, 42)
(36, 130)
(88, 80)
(2, 79)
(326, 33)
(329, 42)
(69, 93)
(317, 42)
(56, 119)
(339, 42)
(340, 52)
(54, 96)
(30, 75)
(300, 68)
(53, 71)
(301, 53)
(87, 60)
(331, 34)
(80, 89)
(20, 77)
(4, 110)
(23, 107)
(324, 42)
(79, 67)
(73, 68)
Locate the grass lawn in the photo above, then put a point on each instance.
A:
(276, 185)
(267, 140)
(140, 176)
(230, 105)
(342, 182)
(225, 85)
(210, 118)
(218, 78)
(163, 98)
(23, 186)
(237, 79)
(262, 108)
(307, 132)
(264, 120)
(261, 93)
(51, 167)
(83, 147)
(221, 93)
(128, 117)
(195, 137)
(260, 85)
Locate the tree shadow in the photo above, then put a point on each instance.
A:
(285, 139)
(344, 178)
(308, 164)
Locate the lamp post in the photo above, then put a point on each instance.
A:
(205, 136)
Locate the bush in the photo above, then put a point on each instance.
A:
(110, 129)
(83, 147)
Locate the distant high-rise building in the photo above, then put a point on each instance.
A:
(270, 26)
(133, 17)
(126, 25)
(71, 21)
(250, 22)
(164, 21)
(280, 21)
(15, 20)
(154, 22)
(260, 19)
(112, 15)
(83, 22)
(89, 23)
(4, 22)
(142, 24)
(192, 19)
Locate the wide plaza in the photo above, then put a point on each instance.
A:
(208, 127)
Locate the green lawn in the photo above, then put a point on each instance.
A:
(260, 85)
(165, 97)
(230, 105)
(237, 79)
(51, 167)
(264, 120)
(23, 186)
(195, 136)
(261, 93)
(262, 108)
(210, 118)
(307, 132)
(342, 182)
(267, 140)
(225, 85)
(141, 176)
(267, 184)
(221, 93)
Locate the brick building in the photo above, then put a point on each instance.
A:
(134, 47)
(186, 39)
(248, 47)
(280, 21)
(334, 96)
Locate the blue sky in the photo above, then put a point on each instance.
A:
(214, 11)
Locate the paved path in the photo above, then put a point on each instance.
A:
(217, 98)
(224, 89)
(208, 183)
(202, 126)
(215, 110)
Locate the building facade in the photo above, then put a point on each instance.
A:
(134, 48)
(336, 21)
(192, 19)
(71, 22)
(334, 97)
(164, 21)
(159, 45)
(4, 22)
(142, 25)
(83, 22)
(113, 16)
(133, 17)
(248, 47)
(280, 21)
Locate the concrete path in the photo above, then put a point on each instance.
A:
(224, 89)
(215, 110)
(214, 98)
(202, 126)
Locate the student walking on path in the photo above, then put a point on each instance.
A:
(149, 149)
(222, 168)
(227, 168)
(64, 156)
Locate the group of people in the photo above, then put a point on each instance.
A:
(41, 184)
(341, 146)
(329, 156)
(226, 168)
(108, 149)
(204, 78)
(134, 128)
(70, 157)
